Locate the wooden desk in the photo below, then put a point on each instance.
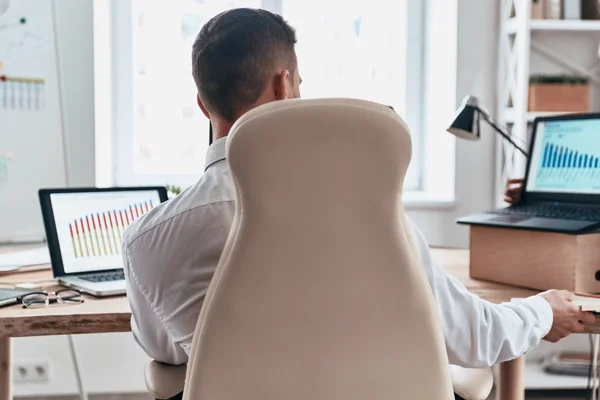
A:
(97, 315)
(94, 315)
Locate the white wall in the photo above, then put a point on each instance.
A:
(110, 363)
(75, 46)
(477, 34)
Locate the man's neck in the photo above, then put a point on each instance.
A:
(221, 129)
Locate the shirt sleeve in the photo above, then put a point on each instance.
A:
(148, 329)
(479, 333)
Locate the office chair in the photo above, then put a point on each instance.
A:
(319, 293)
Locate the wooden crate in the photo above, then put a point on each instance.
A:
(537, 260)
(559, 97)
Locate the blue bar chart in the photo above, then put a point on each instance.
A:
(563, 157)
(566, 157)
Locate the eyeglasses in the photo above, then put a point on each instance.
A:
(43, 299)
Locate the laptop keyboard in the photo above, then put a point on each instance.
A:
(573, 213)
(104, 277)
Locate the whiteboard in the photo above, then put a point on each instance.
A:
(31, 130)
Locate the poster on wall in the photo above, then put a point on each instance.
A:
(20, 34)
(31, 130)
(21, 93)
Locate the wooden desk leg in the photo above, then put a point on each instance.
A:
(5, 369)
(510, 380)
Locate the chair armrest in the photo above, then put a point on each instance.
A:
(471, 384)
(164, 381)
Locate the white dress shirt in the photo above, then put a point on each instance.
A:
(171, 253)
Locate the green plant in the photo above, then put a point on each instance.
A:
(174, 189)
(559, 79)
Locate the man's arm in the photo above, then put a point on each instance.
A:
(148, 329)
(479, 333)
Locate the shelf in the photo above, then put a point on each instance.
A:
(537, 379)
(509, 115)
(512, 25)
(565, 25)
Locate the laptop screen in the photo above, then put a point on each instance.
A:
(90, 225)
(566, 157)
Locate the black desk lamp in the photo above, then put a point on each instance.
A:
(466, 122)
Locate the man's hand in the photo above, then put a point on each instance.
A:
(568, 318)
(512, 194)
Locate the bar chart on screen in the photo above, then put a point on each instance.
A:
(99, 233)
(570, 159)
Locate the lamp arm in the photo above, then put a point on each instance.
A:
(498, 129)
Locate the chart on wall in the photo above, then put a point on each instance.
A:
(23, 94)
(21, 34)
(31, 131)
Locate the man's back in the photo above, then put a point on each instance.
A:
(170, 256)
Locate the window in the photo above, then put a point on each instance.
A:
(346, 48)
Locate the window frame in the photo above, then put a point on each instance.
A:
(118, 75)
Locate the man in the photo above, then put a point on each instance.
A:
(241, 59)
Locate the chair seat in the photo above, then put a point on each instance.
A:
(471, 384)
(164, 381)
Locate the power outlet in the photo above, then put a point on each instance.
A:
(31, 371)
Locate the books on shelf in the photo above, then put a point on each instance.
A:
(568, 363)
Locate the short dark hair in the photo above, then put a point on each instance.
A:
(236, 53)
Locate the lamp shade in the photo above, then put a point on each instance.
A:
(466, 121)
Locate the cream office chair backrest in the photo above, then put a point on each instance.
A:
(319, 293)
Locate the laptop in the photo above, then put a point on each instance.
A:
(561, 192)
(84, 230)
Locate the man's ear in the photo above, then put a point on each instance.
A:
(282, 82)
(201, 105)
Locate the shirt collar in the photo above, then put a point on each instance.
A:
(216, 152)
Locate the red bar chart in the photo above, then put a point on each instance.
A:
(100, 233)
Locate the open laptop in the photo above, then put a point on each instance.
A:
(84, 230)
(562, 180)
